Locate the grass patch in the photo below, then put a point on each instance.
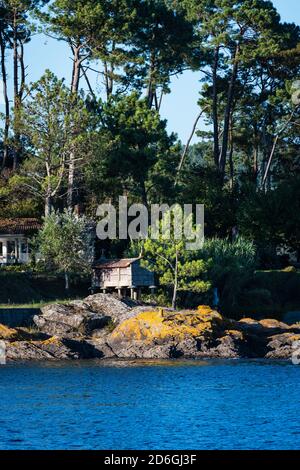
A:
(33, 290)
(37, 305)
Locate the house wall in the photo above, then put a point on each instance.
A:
(14, 249)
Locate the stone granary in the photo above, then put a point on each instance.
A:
(122, 275)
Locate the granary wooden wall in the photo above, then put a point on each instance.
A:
(141, 276)
(116, 277)
(133, 275)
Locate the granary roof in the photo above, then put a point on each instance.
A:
(19, 226)
(115, 263)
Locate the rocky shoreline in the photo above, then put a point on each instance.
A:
(104, 327)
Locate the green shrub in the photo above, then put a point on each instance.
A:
(232, 264)
(162, 298)
(257, 303)
(16, 268)
(283, 285)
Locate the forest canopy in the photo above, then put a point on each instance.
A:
(62, 148)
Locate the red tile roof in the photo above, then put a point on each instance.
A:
(19, 226)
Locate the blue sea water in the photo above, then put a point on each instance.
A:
(150, 405)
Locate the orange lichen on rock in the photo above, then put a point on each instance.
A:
(235, 333)
(288, 338)
(272, 323)
(295, 338)
(52, 340)
(7, 333)
(160, 326)
(248, 321)
(204, 309)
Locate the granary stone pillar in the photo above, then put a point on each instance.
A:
(152, 289)
(139, 293)
(132, 292)
(119, 289)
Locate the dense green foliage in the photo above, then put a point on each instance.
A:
(231, 267)
(66, 244)
(177, 268)
(61, 148)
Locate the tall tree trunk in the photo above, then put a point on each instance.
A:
(15, 60)
(6, 101)
(231, 164)
(151, 83)
(48, 205)
(23, 73)
(255, 154)
(67, 282)
(267, 176)
(108, 81)
(16, 91)
(74, 88)
(228, 110)
(144, 193)
(215, 108)
(175, 287)
(187, 147)
(76, 69)
(71, 180)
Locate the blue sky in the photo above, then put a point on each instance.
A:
(179, 108)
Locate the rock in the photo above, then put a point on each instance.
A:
(201, 333)
(51, 349)
(70, 320)
(25, 351)
(161, 326)
(229, 344)
(103, 326)
(209, 315)
(7, 333)
(273, 324)
(81, 318)
(281, 346)
(249, 324)
(111, 306)
(262, 327)
(168, 334)
(30, 334)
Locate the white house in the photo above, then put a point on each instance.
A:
(14, 240)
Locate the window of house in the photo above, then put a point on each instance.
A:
(24, 248)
